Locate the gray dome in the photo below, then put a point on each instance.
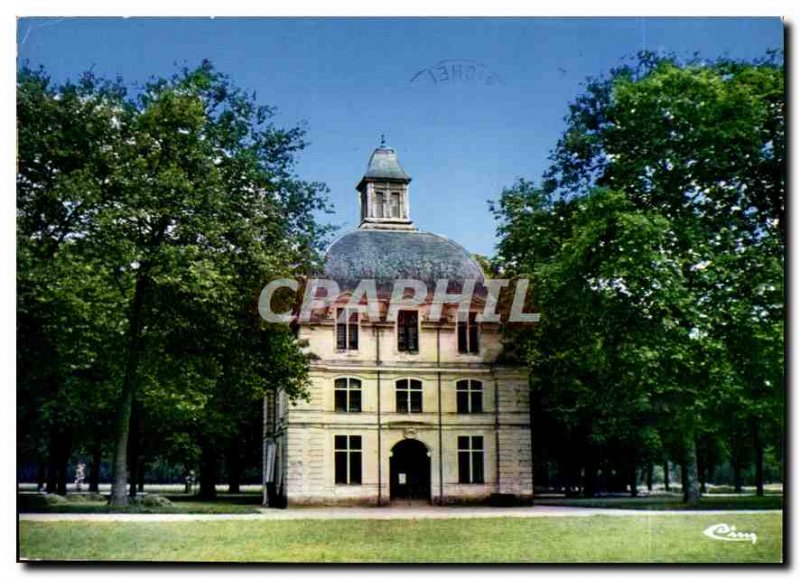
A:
(389, 255)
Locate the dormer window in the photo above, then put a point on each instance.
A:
(407, 331)
(468, 335)
(346, 329)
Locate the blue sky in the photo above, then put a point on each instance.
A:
(349, 80)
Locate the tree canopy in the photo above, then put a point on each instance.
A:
(148, 222)
(656, 246)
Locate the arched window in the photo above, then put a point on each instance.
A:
(408, 395)
(347, 395)
(469, 396)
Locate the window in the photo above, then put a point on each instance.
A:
(469, 396)
(407, 332)
(347, 452)
(395, 205)
(378, 204)
(346, 329)
(347, 395)
(408, 395)
(470, 459)
(468, 335)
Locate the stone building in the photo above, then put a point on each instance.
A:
(410, 409)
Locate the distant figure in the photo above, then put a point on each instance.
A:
(189, 482)
(80, 474)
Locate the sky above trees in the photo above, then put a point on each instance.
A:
(462, 140)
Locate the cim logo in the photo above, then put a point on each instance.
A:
(725, 532)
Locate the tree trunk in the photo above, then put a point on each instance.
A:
(782, 440)
(666, 475)
(589, 476)
(52, 475)
(736, 467)
(51, 486)
(208, 472)
(234, 467)
(133, 476)
(692, 490)
(649, 477)
(133, 449)
(119, 487)
(58, 462)
(62, 475)
(41, 476)
(684, 487)
(140, 480)
(633, 477)
(701, 474)
(759, 459)
(94, 474)
(133, 464)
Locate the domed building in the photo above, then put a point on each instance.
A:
(405, 406)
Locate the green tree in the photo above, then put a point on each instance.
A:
(697, 152)
(191, 208)
(68, 329)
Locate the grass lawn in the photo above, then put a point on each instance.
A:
(671, 502)
(640, 539)
(250, 502)
(241, 503)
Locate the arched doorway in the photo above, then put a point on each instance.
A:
(410, 471)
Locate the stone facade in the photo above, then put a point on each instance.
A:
(469, 454)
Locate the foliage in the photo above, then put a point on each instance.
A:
(656, 248)
(147, 225)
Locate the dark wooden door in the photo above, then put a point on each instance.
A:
(410, 471)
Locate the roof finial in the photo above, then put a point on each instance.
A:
(383, 141)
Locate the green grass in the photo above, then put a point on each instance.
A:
(636, 538)
(242, 503)
(249, 503)
(665, 503)
(769, 489)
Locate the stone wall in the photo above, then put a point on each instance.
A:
(310, 428)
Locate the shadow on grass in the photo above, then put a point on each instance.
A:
(179, 503)
(665, 503)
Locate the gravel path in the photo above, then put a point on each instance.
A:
(393, 512)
